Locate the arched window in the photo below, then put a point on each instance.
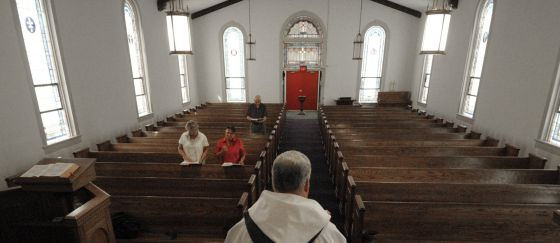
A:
(136, 52)
(372, 64)
(478, 52)
(426, 76)
(302, 44)
(46, 71)
(234, 64)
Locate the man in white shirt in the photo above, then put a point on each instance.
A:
(286, 215)
(193, 145)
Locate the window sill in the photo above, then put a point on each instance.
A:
(146, 117)
(466, 119)
(546, 146)
(62, 144)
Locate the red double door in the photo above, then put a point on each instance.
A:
(302, 83)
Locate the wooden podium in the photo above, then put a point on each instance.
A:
(52, 209)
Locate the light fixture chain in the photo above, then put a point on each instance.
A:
(360, 21)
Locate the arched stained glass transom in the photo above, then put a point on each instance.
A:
(302, 44)
(303, 29)
(478, 52)
(372, 64)
(234, 64)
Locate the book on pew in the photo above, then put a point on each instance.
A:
(228, 164)
(64, 170)
(190, 163)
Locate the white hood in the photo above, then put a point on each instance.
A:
(287, 217)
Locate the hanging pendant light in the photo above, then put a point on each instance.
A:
(358, 41)
(251, 43)
(178, 29)
(436, 29)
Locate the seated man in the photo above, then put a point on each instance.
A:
(286, 215)
(257, 115)
(230, 148)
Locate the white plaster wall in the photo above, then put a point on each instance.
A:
(264, 75)
(97, 67)
(519, 70)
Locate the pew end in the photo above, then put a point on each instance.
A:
(150, 127)
(252, 189)
(123, 139)
(138, 133)
(536, 162)
(243, 205)
(556, 217)
(84, 153)
(473, 135)
(491, 142)
(511, 150)
(461, 129)
(104, 146)
(356, 233)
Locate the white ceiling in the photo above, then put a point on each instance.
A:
(197, 5)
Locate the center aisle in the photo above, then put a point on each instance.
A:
(302, 133)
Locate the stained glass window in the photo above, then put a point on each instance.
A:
(136, 59)
(426, 76)
(184, 78)
(372, 64)
(46, 70)
(234, 64)
(303, 29)
(480, 42)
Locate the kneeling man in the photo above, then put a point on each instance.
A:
(286, 215)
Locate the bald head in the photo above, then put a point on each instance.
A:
(257, 99)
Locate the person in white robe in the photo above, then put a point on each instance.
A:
(286, 215)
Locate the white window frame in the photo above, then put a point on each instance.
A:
(142, 62)
(426, 72)
(384, 60)
(470, 62)
(62, 85)
(553, 114)
(222, 47)
(184, 74)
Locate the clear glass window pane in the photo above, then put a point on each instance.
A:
(473, 86)
(235, 83)
(424, 98)
(138, 86)
(38, 46)
(48, 98)
(427, 80)
(470, 104)
(142, 103)
(234, 52)
(184, 95)
(370, 83)
(368, 95)
(555, 130)
(182, 78)
(235, 95)
(374, 47)
(55, 125)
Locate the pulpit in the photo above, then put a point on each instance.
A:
(301, 100)
(56, 209)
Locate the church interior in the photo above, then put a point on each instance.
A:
(423, 120)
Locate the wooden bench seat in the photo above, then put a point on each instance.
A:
(479, 176)
(177, 135)
(186, 216)
(430, 150)
(173, 170)
(163, 148)
(465, 162)
(156, 140)
(178, 187)
(429, 221)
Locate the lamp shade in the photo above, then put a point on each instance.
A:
(179, 33)
(435, 32)
(358, 43)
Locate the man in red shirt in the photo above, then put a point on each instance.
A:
(230, 148)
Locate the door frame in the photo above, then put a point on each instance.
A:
(285, 81)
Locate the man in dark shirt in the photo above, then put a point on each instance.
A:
(257, 115)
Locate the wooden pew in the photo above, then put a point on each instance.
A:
(178, 187)
(171, 170)
(190, 218)
(556, 217)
